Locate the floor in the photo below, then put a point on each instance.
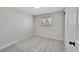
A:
(36, 44)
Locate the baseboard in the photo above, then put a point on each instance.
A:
(12, 43)
(50, 37)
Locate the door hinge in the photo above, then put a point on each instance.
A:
(64, 13)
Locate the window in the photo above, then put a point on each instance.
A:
(46, 20)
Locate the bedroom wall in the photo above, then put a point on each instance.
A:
(14, 26)
(55, 31)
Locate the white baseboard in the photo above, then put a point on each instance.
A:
(50, 37)
(14, 42)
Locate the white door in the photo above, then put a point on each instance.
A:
(70, 28)
(77, 31)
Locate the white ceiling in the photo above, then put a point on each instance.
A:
(41, 10)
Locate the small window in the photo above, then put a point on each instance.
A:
(46, 20)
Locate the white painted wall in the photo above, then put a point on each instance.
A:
(14, 25)
(56, 31)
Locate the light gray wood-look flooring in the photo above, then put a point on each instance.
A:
(36, 44)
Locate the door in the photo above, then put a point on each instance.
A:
(71, 29)
(77, 31)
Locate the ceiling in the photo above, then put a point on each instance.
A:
(41, 10)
